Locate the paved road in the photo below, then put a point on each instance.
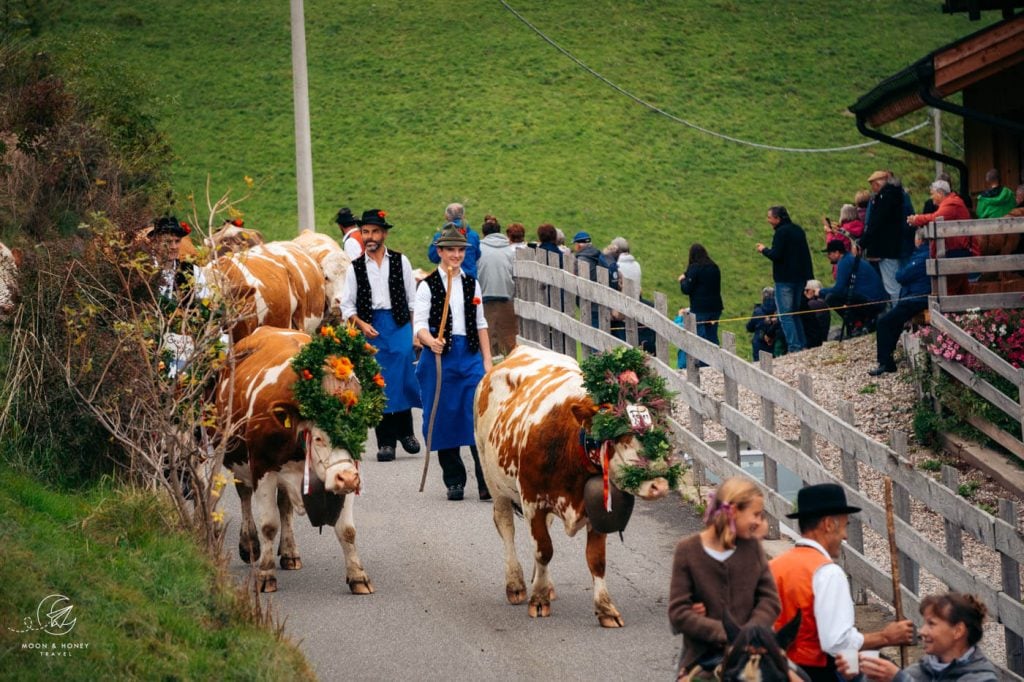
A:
(439, 611)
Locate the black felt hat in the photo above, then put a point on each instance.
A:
(345, 218)
(170, 225)
(824, 499)
(377, 217)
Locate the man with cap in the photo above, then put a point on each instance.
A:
(379, 290)
(885, 227)
(460, 354)
(587, 252)
(455, 216)
(351, 237)
(857, 285)
(810, 581)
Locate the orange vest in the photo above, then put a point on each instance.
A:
(794, 573)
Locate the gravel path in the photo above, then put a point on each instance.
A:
(882, 404)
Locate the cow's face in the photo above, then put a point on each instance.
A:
(335, 266)
(627, 452)
(334, 466)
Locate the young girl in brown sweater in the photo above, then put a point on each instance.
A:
(723, 567)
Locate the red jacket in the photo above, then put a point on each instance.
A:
(952, 207)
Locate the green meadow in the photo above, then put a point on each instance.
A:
(417, 104)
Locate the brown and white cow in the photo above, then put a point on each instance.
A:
(269, 450)
(232, 237)
(9, 288)
(277, 284)
(334, 263)
(529, 412)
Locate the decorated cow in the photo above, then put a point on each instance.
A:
(555, 440)
(231, 237)
(334, 263)
(297, 410)
(277, 284)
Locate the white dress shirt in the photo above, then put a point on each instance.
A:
(378, 276)
(833, 605)
(456, 303)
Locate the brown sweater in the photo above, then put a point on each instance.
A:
(743, 584)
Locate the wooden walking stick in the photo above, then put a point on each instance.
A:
(894, 562)
(437, 383)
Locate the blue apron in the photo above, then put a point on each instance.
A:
(461, 372)
(396, 356)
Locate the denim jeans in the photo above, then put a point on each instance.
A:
(707, 329)
(787, 300)
(887, 268)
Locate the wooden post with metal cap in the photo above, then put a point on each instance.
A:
(437, 383)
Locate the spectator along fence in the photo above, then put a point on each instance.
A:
(1000, 287)
(550, 303)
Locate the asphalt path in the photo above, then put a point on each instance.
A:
(439, 611)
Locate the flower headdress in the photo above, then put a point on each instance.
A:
(620, 381)
(343, 411)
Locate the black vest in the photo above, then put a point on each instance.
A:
(437, 307)
(396, 288)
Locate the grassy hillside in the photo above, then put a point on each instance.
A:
(415, 104)
(145, 603)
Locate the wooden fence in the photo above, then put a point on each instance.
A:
(546, 305)
(985, 295)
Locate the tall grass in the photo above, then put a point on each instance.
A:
(416, 104)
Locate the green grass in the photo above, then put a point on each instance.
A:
(147, 603)
(416, 104)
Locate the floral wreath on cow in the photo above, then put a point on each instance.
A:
(619, 381)
(345, 415)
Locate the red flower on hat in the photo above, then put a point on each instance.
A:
(462, 231)
(184, 226)
(238, 222)
(382, 214)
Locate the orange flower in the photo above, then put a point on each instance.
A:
(306, 374)
(348, 398)
(351, 330)
(341, 367)
(327, 330)
(476, 300)
(370, 349)
(378, 379)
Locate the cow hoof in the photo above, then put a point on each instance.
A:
(610, 621)
(540, 609)
(291, 563)
(515, 595)
(268, 584)
(360, 585)
(246, 551)
(551, 594)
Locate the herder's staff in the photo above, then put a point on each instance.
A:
(894, 562)
(437, 382)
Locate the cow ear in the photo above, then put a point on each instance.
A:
(584, 412)
(19, 256)
(787, 633)
(732, 630)
(285, 414)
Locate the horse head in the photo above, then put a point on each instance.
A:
(756, 654)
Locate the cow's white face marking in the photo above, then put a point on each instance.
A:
(628, 453)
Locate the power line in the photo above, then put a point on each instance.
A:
(673, 117)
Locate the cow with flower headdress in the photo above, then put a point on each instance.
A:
(297, 409)
(558, 439)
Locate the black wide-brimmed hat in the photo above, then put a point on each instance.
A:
(824, 499)
(345, 217)
(170, 225)
(377, 217)
(451, 236)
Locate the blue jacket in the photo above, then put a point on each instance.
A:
(472, 250)
(868, 284)
(913, 279)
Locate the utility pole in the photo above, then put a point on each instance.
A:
(937, 129)
(303, 147)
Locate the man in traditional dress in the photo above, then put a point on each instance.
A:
(379, 292)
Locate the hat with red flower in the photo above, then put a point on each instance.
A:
(170, 225)
(377, 217)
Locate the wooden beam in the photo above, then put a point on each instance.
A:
(977, 58)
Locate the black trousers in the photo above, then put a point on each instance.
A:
(453, 471)
(393, 425)
(890, 326)
(826, 673)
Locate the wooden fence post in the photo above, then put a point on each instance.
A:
(954, 537)
(806, 432)
(851, 477)
(693, 377)
(660, 344)
(901, 506)
(771, 468)
(1010, 571)
(732, 399)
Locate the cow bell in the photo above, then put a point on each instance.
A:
(322, 508)
(603, 521)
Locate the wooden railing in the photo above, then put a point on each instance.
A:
(550, 317)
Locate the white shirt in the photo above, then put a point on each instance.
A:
(456, 304)
(378, 276)
(833, 605)
(353, 247)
